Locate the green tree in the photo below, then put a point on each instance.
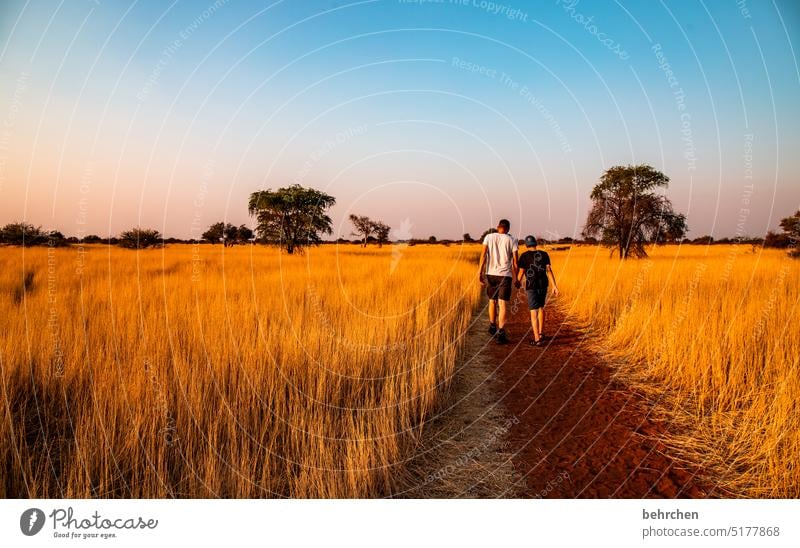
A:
(214, 233)
(22, 234)
(627, 213)
(381, 231)
(55, 238)
(230, 235)
(363, 227)
(140, 238)
(244, 234)
(293, 217)
(671, 229)
(791, 229)
(704, 240)
(791, 225)
(780, 241)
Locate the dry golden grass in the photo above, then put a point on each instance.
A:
(715, 329)
(191, 372)
(248, 373)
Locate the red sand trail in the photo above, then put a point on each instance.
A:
(577, 432)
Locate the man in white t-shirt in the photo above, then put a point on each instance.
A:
(499, 258)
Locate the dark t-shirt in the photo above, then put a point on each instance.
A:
(534, 263)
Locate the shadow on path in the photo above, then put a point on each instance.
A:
(577, 432)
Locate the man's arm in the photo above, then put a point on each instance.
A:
(484, 251)
(515, 271)
(553, 277)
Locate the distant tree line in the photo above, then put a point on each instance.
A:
(627, 214)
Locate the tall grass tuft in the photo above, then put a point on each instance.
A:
(198, 372)
(713, 333)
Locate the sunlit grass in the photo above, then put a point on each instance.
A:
(190, 371)
(193, 371)
(715, 329)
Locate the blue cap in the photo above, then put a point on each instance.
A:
(530, 241)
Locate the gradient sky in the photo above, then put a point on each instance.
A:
(438, 117)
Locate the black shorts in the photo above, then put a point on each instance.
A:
(536, 297)
(498, 287)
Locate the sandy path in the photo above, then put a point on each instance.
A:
(576, 432)
(464, 452)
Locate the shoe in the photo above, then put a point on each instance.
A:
(492, 329)
(536, 343)
(501, 337)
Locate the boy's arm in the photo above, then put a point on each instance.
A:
(515, 268)
(553, 277)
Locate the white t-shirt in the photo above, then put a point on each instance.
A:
(501, 253)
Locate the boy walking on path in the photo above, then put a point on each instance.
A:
(534, 266)
(499, 257)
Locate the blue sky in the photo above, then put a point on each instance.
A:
(442, 116)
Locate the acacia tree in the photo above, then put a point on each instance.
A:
(627, 213)
(292, 217)
(230, 235)
(140, 238)
(22, 234)
(244, 234)
(791, 229)
(363, 226)
(671, 229)
(382, 231)
(214, 233)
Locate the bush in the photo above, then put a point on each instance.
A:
(140, 238)
(22, 234)
(780, 241)
(28, 235)
(703, 240)
(54, 238)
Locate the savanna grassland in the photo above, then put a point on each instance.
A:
(712, 333)
(197, 372)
